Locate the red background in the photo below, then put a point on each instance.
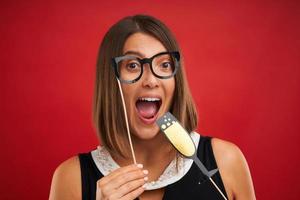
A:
(242, 62)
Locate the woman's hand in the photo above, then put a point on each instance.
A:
(125, 183)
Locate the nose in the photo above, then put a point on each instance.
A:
(148, 78)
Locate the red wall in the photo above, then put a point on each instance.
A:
(242, 61)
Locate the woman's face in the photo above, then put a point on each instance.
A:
(150, 97)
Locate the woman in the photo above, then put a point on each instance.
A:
(144, 56)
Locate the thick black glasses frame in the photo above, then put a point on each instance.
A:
(143, 61)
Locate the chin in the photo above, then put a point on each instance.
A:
(146, 133)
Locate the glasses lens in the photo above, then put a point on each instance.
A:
(164, 65)
(129, 68)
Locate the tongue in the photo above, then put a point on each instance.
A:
(146, 109)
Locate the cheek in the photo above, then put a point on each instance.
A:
(171, 88)
(128, 93)
(169, 91)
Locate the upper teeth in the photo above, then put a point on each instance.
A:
(149, 99)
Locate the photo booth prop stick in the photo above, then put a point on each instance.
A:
(183, 143)
(126, 120)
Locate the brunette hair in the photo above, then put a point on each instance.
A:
(108, 115)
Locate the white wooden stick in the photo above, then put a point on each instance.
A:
(217, 188)
(126, 120)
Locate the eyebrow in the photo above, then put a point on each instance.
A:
(135, 53)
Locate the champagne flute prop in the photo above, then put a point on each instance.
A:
(184, 144)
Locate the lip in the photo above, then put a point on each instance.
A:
(153, 119)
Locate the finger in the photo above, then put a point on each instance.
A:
(122, 179)
(133, 194)
(103, 191)
(121, 170)
(109, 185)
(98, 193)
(129, 187)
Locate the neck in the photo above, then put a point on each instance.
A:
(155, 154)
(149, 152)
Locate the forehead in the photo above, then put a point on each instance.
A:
(144, 44)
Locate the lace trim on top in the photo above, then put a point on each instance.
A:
(171, 174)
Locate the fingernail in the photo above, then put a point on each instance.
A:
(144, 186)
(145, 171)
(140, 166)
(146, 178)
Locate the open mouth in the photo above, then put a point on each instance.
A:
(147, 108)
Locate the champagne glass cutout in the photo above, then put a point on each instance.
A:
(184, 144)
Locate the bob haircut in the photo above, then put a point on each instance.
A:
(108, 114)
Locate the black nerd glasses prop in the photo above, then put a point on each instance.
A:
(174, 57)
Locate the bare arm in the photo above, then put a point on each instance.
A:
(66, 181)
(234, 170)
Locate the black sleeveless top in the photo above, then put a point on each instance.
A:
(193, 185)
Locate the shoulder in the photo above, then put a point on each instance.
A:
(227, 153)
(233, 168)
(66, 181)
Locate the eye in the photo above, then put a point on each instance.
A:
(166, 65)
(132, 66)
